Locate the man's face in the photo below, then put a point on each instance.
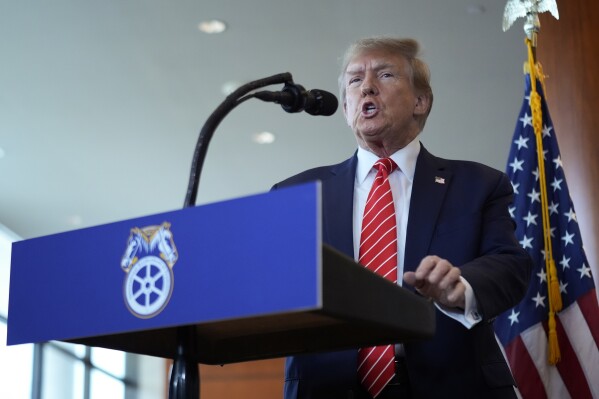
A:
(380, 103)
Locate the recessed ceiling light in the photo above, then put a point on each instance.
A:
(74, 220)
(229, 87)
(212, 26)
(263, 138)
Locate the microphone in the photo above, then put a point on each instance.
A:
(294, 98)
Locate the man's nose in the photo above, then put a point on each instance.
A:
(368, 87)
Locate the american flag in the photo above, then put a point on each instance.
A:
(523, 330)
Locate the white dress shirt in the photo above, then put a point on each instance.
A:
(401, 180)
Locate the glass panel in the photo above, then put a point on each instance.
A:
(109, 360)
(104, 386)
(76, 349)
(16, 365)
(6, 239)
(63, 376)
(152, 376)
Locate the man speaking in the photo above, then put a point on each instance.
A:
(437, 226)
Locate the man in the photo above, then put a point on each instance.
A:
(453, 240)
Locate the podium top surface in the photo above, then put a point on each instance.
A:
(249, 277)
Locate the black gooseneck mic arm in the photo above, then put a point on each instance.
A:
(232, 100)
(293, 98)
(185, 376)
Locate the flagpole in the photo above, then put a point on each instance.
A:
(555, 300)
(532, 26)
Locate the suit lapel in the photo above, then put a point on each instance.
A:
(431, 181)
(337, 202)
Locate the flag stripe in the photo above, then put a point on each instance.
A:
(569, 367)
(590, 310)
(584, 353)
(535, 341)
(524, 370)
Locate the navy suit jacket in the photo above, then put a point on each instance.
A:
(458, 211)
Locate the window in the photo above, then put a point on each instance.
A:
(16, 362)
(57, 370)
(75, 371)
(15, 366)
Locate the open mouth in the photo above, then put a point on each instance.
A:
(369, 109)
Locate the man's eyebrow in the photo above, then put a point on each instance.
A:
(377, 67)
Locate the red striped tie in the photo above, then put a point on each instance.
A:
(378, 253)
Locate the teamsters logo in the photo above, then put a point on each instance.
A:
(148, 262)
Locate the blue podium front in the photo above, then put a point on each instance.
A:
(246, 274)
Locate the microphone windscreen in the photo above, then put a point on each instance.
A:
(325, 103)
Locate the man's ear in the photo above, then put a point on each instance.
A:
(422, 105)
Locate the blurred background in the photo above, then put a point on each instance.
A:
(101, 104)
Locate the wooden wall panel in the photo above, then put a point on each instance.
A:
(261, 379)
(251, 380)
(568, 49)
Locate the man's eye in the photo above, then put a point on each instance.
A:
(354, 80)
(386, 75)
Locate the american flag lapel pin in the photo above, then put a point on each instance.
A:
(439, 180)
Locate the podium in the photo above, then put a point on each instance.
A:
(243, 279)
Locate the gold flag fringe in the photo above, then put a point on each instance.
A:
(555, 299)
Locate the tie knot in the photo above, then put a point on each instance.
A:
(385, 164)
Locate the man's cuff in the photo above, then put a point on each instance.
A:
(469, 317)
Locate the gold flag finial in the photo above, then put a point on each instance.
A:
(530, 9)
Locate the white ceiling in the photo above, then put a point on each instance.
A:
(101, 101)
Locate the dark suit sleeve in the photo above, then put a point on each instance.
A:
(500, 275)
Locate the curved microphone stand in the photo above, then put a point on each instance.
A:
(185, 375)
(233, 100)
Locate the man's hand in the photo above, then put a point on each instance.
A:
(438, 279)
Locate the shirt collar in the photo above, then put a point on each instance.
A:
(405, 159)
